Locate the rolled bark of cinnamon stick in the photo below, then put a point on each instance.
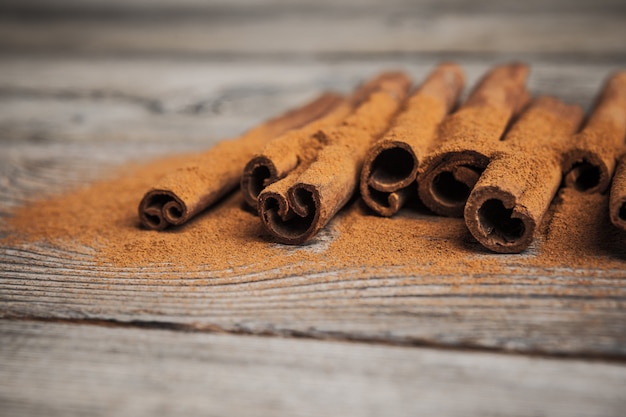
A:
(190, 189)
(282, 155)
(467, 138)
(390, 166)
(589, 165)
(296, 207)
(513, 194)
(617, 199)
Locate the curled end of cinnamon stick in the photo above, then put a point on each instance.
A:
(588, 166)
(293, 219)
(390, 167)
(258, 174)
(617, 200)
(618, 212)
(585, 171)
(446, 186)
(497, 222)
(161, 208)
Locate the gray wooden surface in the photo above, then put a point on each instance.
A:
(75, 370)
(85, 86)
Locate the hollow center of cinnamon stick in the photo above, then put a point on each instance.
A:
(258, 179)
(622, 212)
(154, 221)
(451, 189)
(497, 223)
(391, 166)
(173, 212)
(153, 210)
(585, 175)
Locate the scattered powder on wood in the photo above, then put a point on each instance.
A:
(228, 239)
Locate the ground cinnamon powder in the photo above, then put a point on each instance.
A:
(229, 240)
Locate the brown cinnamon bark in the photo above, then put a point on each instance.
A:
(513, 194)
(296, 207)
(467, 138)
(285, 153)
(617, 200)
(202, 181)
(390, 167)
(590, 163)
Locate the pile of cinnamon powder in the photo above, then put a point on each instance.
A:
(228, 239)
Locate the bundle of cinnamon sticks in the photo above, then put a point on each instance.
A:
(497, 159)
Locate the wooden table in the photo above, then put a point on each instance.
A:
(85, 86)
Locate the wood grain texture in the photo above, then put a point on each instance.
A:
(349, 34)
(292, 29)
(30, 171)
(47, 99)
(75, 370)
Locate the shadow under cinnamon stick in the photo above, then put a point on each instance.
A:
(296, 207)
(467, 138)
(512, 196)
(390, 167)
(205, 179)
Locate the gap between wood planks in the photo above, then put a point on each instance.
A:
(396, 57)
(312, 335)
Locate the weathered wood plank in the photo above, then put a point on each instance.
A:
(134, 99)
(26, 167)
(49, 119)
(77, 98)
(346, 34)
(68, 369)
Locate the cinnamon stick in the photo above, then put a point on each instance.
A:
(590, 163)
(285, 153)
(467, 138)
(390, 166)
(513, 194)
(191, 188)
(617, 200)
(296, 207)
